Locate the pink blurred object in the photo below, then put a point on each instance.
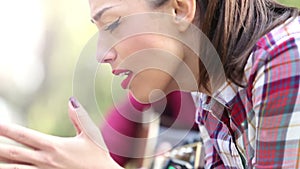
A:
(119, 129)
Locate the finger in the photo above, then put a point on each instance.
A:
(84, 124)
(4, 160)
(17, 166)
(25, 136)
(73, 104)
(10, 153)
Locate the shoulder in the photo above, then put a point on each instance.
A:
(280, 45)
(282, 34)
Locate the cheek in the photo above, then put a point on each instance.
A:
(156, 66)
(142, 42)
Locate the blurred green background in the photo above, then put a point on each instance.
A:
(294, 3)
(40, 44)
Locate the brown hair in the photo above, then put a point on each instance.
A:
(234, 26)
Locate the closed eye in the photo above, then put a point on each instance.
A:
(113, 26)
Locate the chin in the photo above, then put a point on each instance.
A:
(141, 97)
(145, 96)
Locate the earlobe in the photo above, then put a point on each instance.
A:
(184, 11)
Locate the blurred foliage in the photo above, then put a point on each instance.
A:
(294, 3)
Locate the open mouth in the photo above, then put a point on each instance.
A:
(126, 73)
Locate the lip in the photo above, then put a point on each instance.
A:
(127, 80)
(119, 71)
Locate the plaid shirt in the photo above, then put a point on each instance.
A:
(257, 126)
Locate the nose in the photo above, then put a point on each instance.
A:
(106, 53)
(109, 56)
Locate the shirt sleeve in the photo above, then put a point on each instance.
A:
(276, 104)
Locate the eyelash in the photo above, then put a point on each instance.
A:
(113, 26)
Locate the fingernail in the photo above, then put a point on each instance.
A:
(74, 102)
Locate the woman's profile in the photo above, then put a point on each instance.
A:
(249, 93)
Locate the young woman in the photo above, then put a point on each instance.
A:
(249, 119)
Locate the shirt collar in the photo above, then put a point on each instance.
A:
(225, 93)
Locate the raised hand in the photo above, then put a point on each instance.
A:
(41, 151)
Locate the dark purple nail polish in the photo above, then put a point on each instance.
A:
(74, 102)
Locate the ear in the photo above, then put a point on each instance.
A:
(184, 12)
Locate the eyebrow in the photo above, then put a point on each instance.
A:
(99, 14)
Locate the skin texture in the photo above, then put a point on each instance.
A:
(86, 150)
(48, 152)
(148, 79)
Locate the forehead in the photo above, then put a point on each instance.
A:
(129, 4)
(96, 5)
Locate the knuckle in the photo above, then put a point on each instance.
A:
(50, 146)
(21, 136)
(49, 161)
(46, 160)
(13, 153)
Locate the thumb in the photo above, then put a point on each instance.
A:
(84, 124)
(73, 105)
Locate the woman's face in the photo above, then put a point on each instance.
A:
(148, 62)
